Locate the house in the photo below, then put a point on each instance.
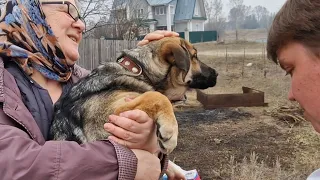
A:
(176, 15)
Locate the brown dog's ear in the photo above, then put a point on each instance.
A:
(176, 54)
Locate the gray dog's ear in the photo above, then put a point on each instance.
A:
(176, 54)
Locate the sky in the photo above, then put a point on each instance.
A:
(271, 5)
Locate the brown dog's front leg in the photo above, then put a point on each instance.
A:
(159, 108)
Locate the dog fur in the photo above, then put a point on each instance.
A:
(170, 67)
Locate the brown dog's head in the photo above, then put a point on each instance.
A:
(173, 67)
(185, 69)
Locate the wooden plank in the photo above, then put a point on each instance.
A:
(249, 98)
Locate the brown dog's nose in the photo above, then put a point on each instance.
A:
(215, 73)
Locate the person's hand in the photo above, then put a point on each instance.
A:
(133, 129)
(148, 167)
(156, 35)
(173, 173)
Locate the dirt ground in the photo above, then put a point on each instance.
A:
(245, 143)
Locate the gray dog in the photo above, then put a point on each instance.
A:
(155, 74)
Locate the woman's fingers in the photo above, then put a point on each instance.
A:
(137, 115)
(156, 35)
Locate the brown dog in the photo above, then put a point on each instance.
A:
(157, 73)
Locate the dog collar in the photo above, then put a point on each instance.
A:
(130, 65)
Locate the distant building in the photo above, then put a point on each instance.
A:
(176, 15)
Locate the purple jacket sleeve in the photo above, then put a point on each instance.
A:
(23, 158)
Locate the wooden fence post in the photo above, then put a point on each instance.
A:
(226, 59)
(244, 58)
(264, 61)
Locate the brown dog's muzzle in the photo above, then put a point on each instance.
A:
(204, 79)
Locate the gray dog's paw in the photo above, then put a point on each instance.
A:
(167, 132)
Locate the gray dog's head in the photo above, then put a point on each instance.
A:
(172, 67)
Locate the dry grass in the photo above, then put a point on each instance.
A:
(292, 115)
(253, 168)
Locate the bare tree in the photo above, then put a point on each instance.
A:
(208, 8)
(95, 13)
(128, 20)
(262, 15)
(217, 9)
(216, 21)
(260, 11)
(269, 20)
(250, 22)
(237, 13)
(213, 9)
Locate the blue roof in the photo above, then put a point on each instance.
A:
(184, 10)
(158, 2)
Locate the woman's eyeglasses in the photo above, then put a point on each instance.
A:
(72, 10)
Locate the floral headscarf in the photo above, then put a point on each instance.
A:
(26, 37)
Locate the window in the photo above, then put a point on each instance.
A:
(140, 13)
(160, 10)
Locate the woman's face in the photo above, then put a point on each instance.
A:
(65, 28)
(304, 68)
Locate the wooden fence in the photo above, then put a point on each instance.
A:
(96, 51)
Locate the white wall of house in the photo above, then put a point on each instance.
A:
(169, 22)
(181, 27)
(172, 9)
(160, 13)
(150, 13)
(152, 27)
(138, 8)
(197, 25)
(164, 13)
(191, 25)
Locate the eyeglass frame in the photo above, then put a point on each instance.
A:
(68, 4)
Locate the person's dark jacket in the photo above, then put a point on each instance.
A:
(24, 153)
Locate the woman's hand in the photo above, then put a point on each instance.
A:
(148, 166)
(156, 35)
(133, 129)
(173, 173)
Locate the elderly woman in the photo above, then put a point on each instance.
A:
(39, 48)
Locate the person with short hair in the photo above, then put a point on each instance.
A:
(294, 43)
